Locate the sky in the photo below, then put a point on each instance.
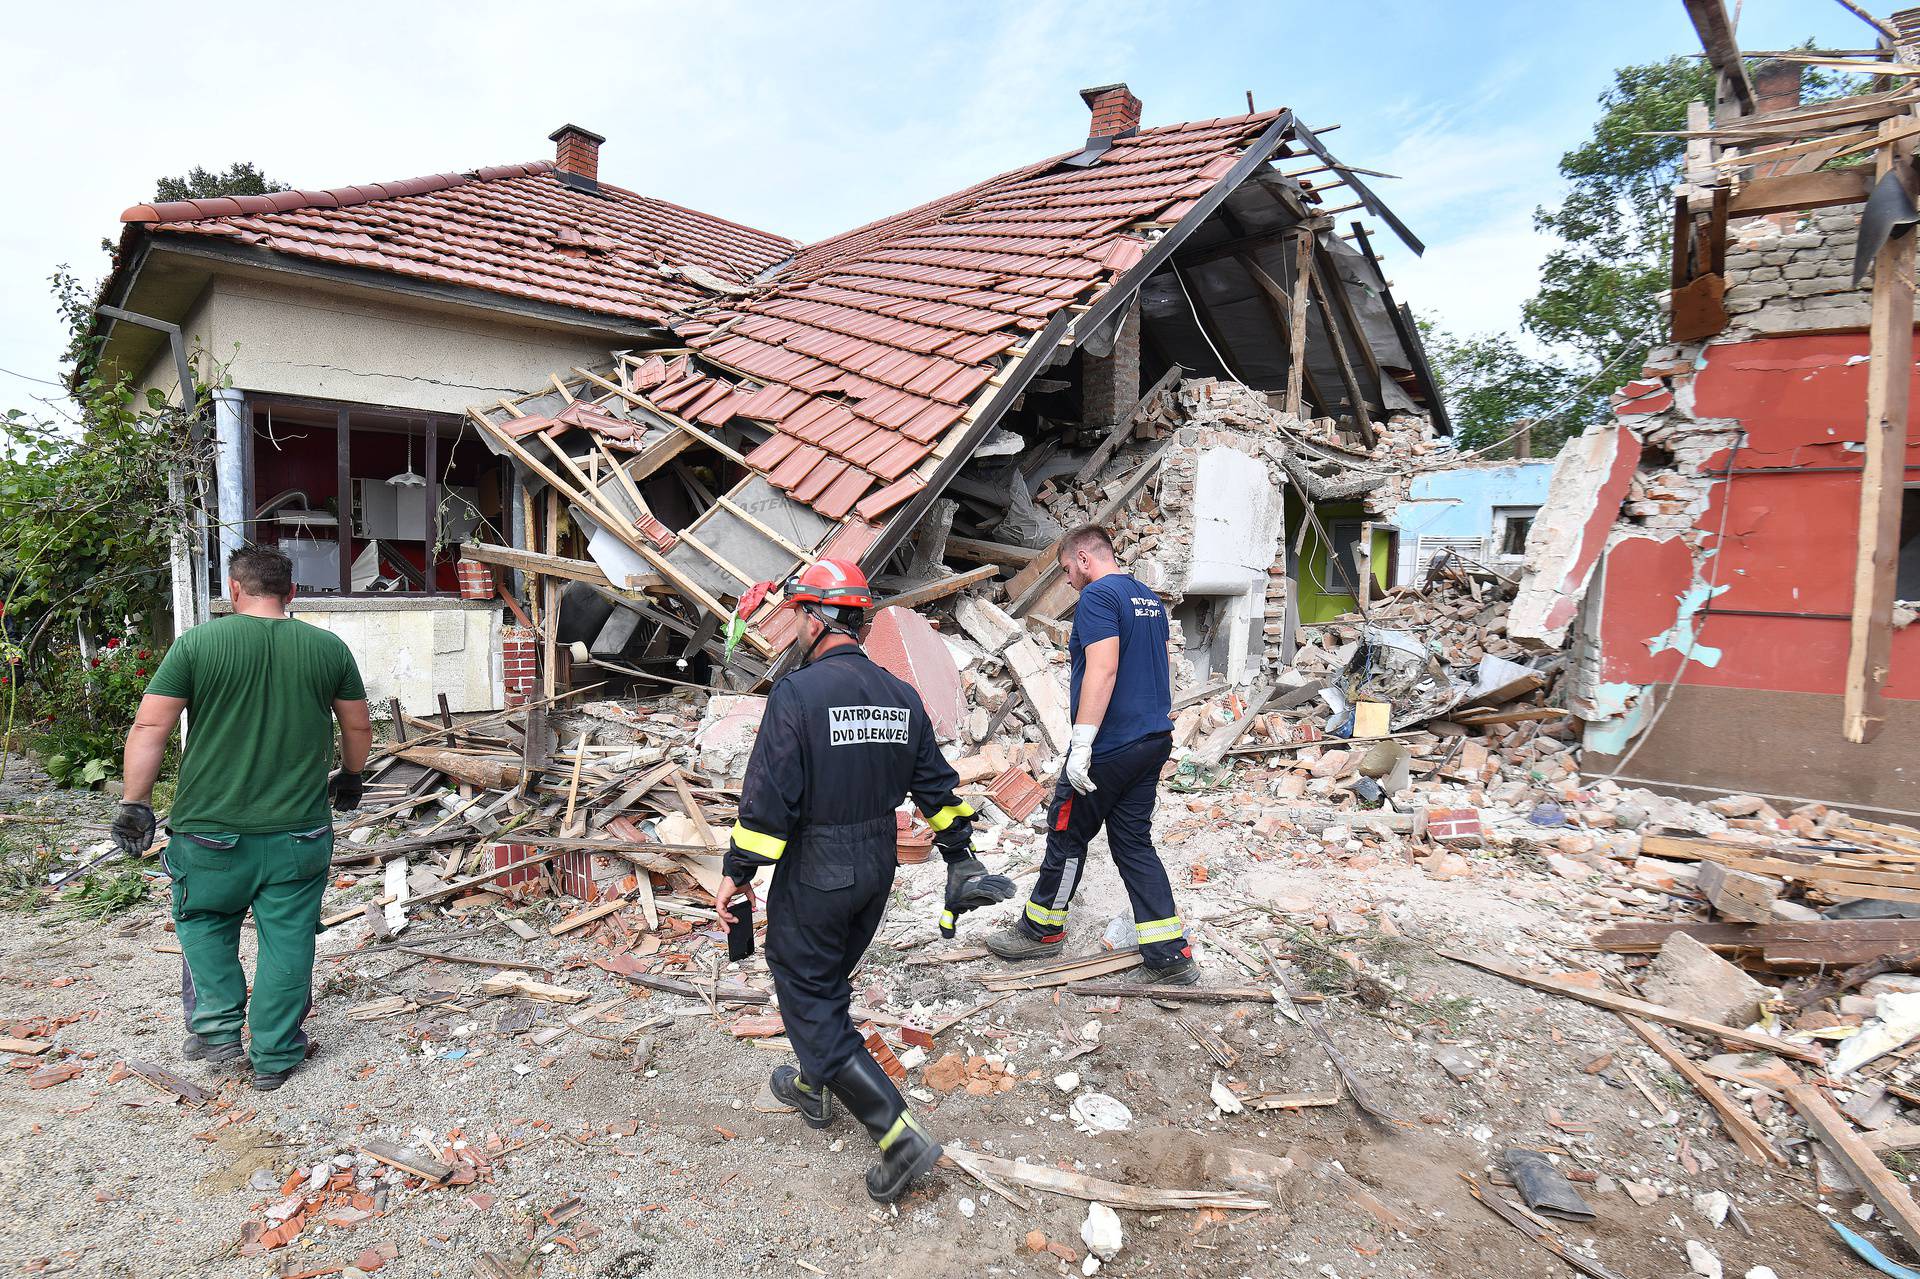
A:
(810, 119)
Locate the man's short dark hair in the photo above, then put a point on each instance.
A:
(262, 570)
(1085, 538)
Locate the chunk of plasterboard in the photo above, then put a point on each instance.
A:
(903, 642)
(1590, 479)
(1043, 691)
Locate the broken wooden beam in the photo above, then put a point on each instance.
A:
(1739, 894)
(1746, 1134)
(431, 1170)
(1640, 1008)
(1873, 1177)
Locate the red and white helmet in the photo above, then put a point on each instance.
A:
(835, 582)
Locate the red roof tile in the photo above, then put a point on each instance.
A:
(513, 229)
(901, 324)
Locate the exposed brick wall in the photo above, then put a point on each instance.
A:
(519, 657)
(475, 578)
(1797, 278)
(1110, 387)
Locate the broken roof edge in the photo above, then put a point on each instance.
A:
(227, 206)
(1041, 349)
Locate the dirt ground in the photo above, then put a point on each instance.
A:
(585, 1165)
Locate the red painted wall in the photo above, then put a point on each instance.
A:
(1789, 538)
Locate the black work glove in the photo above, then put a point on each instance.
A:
(970, 887)
(956, 841)
(133, 829)
(345, 790)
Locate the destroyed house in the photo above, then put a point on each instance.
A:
(1734, 560)
(893, 395)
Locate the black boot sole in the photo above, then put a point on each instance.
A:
(217, 1054)
(899, 1186)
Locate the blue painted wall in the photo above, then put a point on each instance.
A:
(1461, 503)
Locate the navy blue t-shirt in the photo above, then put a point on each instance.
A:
(1123, 606)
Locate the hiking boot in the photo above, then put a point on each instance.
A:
(791, 1088)
(906, 1151)
(198, 1049)
(272, 1080)
(1181, 972)
(1016, 943)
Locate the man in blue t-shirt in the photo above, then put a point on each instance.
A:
(1122, 736)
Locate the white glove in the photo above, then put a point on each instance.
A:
(1080, 757)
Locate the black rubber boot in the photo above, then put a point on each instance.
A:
(905, 1149)
(791, 1087)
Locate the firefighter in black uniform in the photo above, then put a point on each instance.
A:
(840, 742)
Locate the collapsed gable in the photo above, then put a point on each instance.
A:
(835, 401)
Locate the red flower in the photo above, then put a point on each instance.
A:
(96, 661)
(143, 654)
(113, 643)
(141, 671)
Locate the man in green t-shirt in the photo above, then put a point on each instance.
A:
(250, 826)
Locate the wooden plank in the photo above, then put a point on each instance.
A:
(1746, 1134)
(165, 1080)
(1739, 894)
(801, 553)
(1343, 305)
(1882, 488)
(435, 1172)
(581, 919)
(556, 566)
(1872, 1176)
(1640, 1008)
(992, 1168)
(996, 553)
(694, 812)
(1330, 322)
(519, 984)
(1830, 941)
(719, 446)
(1297, 319)
(1715, 30)
(1893, 1137)
(940, 589)
(1188, 994)
(1031, 582)
(490, 772)
(448, 890)
(1063, 974)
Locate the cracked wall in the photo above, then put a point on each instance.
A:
(287, 337)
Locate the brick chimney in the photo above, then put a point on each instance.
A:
(1116, 112)
(577, 153)
(1776, 86)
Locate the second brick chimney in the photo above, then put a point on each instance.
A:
(577, 152)
(1116, 112)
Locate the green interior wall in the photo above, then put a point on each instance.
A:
(1316, 605)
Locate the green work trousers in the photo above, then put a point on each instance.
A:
(217, 879)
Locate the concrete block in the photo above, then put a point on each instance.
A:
(903, 642)
(1689, 977)
(985, 623)
(1044, 692)
(727, 732)
(1590, 480)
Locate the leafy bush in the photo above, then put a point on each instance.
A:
(75, 711)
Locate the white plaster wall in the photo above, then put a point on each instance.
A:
(1237, 521)
(416, 651)
(289, 336)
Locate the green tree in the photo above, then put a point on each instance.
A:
(1598, 305)
(239, 178)
(1492, 387)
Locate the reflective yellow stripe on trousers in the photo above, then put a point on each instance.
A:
(1046, 916)
(1153, 930)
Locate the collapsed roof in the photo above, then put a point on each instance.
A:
(847, 389)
